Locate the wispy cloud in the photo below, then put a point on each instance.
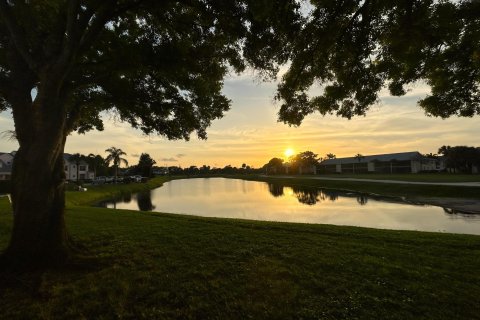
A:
(249, 132)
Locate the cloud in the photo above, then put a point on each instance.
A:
(181, 155)
(169, 159)
(135, 155)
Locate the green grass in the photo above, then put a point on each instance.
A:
(97, 193)
(400, 190)
(415, 177)
(162, 266)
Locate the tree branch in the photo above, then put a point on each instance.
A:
(16, 34)
(107, 12)
(72, 12)
(339, 37)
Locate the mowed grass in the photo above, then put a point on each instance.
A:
(97, 193)
(163, 266)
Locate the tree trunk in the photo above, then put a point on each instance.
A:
(39, 236)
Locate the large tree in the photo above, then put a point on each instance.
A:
(354, 49)
(158, 65)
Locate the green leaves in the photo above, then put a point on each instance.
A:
(354, 49)
(159, 65)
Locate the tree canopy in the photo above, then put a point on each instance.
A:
(354, 49)
(158, 65)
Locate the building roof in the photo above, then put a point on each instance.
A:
(66, 158)
(5, 168)
(401, 156)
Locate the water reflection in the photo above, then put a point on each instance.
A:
(310, 196)
(307, 196)
(144, 201)
(231, 198)
(275, 190)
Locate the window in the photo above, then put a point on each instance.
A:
(82, 168)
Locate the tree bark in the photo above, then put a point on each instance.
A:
(39, 237)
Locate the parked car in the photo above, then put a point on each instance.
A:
(100, 180)
(136, 178)
(109, 179)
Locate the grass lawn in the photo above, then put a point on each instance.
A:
(163, 266)
(416, 177)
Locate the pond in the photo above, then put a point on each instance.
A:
(235, 198)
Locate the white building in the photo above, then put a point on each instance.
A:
(6, 161)
(403, 162)
(71, 170)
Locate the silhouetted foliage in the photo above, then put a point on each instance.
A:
(145, 165)
(353, 49)
(304, 161)
(275, 166)
(461, 158)
(115, 156)
(157, 65)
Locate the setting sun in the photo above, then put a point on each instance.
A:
(289, 152)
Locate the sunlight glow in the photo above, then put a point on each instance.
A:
(289, 152)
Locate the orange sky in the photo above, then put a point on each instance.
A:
(250, 133)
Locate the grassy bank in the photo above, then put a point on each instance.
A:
(398, 190)
(414, 177)
(96, 193)
(161, 266)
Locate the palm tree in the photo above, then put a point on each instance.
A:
(359, 157)
(115, 156)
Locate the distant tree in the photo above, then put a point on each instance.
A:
(330, 156)
(175, 170)
(275, 165)
(97, 163)
(145, 164)
(431, 155)
(359, 157)
(204, 169)
(304, 159)
(461, 158)
(115, 156)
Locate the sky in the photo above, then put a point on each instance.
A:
(250, 133)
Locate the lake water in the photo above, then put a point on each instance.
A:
(234, 198)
